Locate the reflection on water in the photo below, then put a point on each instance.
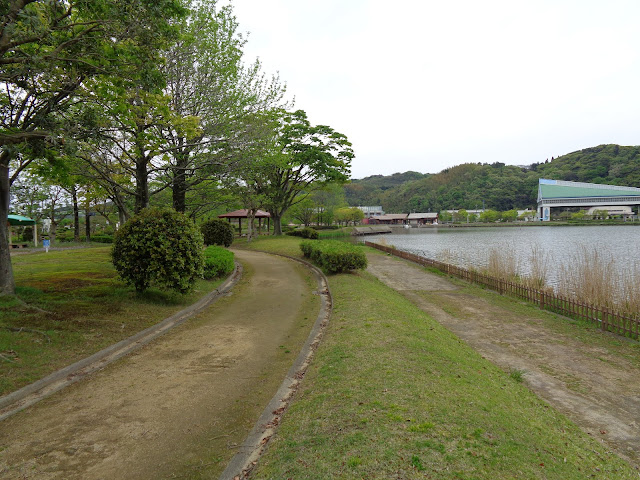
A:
(471, 246)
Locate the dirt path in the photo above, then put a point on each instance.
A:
(597, 387)
(179, 406)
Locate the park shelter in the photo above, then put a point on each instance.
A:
(19, 220)
(559, 193)
(422, 218)
(389, 219)
(244, 213)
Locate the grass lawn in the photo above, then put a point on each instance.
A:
(83, 306)
(392, 394)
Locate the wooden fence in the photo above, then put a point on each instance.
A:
(606, 318)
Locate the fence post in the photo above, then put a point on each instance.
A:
(541, 300)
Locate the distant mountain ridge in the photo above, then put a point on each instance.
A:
(501, 187)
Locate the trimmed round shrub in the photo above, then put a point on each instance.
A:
(158, 247)
(306, 232)
(218, 262)
(217, 232)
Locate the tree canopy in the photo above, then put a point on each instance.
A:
(49, 52)
(304, 158)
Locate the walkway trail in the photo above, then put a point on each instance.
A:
(597, 387)
(181, 405)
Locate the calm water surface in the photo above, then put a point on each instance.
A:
(562, 245)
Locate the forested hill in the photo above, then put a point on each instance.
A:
(368, 191)
(501, 187)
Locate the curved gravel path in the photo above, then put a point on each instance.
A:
(181, 405)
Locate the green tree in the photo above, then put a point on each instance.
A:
(578, 215)
(49, 51)
(465, 216)
(304, 158)
(206, 79)
(445, 216)
(509, 215)
(304, 211)
(490, 216)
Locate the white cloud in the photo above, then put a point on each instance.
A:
(427, 85)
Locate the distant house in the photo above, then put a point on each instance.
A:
(422, 218)
(389, 219)
(372, 211)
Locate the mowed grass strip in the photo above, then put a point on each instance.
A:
(392, 394)
(84, 307)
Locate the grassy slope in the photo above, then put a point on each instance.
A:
(87, 308)
(392, 394)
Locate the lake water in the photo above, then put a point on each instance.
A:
(471, 246)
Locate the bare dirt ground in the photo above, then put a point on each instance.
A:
(596, 386)
(179, 407)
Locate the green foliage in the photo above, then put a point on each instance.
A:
(67, 236)
(348, 215)
(305, 159)
(496, 186)
(369, 190)
(218, 262)
(335, 256)
(217, 232)
(102, 238)
(158, 247)
(510, 215)
(306, 232)
(489, 216)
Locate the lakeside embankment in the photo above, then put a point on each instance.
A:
(393, 394)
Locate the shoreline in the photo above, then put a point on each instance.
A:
(517, 224)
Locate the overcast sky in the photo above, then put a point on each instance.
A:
(425, 85)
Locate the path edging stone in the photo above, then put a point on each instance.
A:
(34, 392)
(248, 453)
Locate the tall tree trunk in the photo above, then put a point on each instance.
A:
(7, 284)
(179, 186)
(87, 221)
(142, 184)
(251, 218)
(76, 214)
(123, 213)
(122, 217)
(54, 222)
(277, 223)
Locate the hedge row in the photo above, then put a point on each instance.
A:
(218, 262)
(335, 256)
(94, 238)
(305, 232)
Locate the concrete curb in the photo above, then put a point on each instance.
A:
(242, 463)
(33, 393)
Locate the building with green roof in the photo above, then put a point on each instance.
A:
(559, 193)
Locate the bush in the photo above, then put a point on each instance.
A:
(305, 232)
(218, 262)
(27, 234)
(217, 232)
(334, 256)
(100, 238)
(161, 247)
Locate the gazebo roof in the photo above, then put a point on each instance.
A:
(244, 214)
(20, 220)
